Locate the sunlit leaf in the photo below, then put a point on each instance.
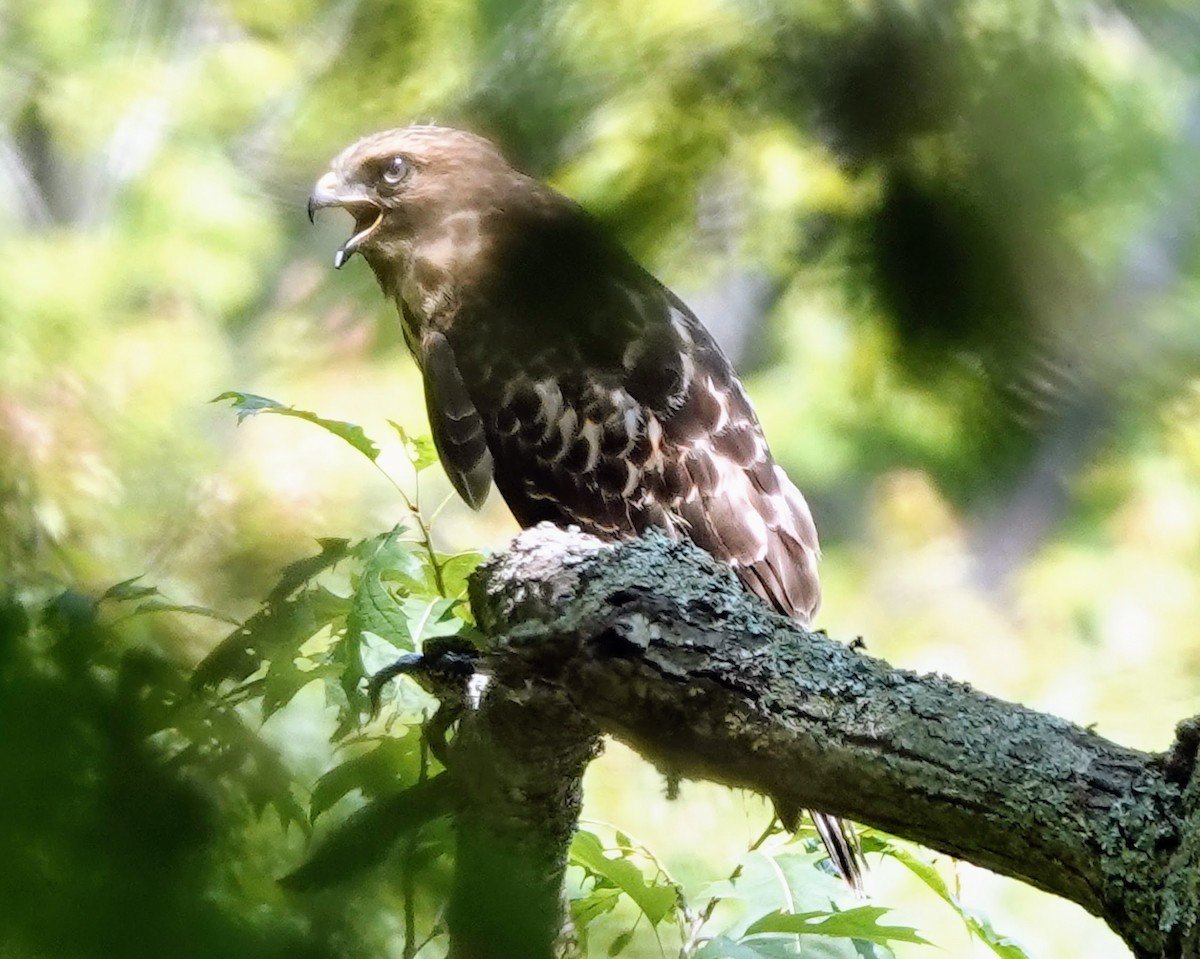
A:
(596, 903)
(721, 947)
(861, 922)
(1002, 946)
(433, 618)
(456, 570)
(807, 874)
(419, 449)
(375, 607)
(655, 900)
(978, 926)
(248, 404)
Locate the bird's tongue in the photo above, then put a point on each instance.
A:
(364, 223)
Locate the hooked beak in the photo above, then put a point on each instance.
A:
(366, 212)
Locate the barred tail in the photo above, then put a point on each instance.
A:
(841, 842)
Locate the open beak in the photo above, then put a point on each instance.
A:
(366, 212)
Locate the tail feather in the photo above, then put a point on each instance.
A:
(841, 842)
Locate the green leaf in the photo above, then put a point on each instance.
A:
(295, 575)
(248, 404)
(225, 748)
(372, 772)
(457, 569)
(433, 618)
(344, 685)
(162, 606)
(596, 903)
(282, 621)
(978, 926)
(374, 607)
(127, 589)
(1002, 946)
(655, 900)
(277, 630)
(283, 681)
(584, 910)
(365, 838)
(234, 657)
(419, 449)
(861, 922)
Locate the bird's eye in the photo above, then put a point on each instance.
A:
(396, 170)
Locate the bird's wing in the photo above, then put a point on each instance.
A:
(458, 431)
(721, 480)
(660, 434)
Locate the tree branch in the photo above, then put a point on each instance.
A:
(518, 760)
(655, 643)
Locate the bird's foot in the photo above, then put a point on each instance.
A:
(443, 669)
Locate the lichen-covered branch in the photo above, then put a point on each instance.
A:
(518, 762)
(658, 645)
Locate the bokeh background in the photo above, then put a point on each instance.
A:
(952, 247)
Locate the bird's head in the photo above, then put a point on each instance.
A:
(418, 193)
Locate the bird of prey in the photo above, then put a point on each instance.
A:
(560, 370)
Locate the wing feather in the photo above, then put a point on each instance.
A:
(736, 502)
(458, 430)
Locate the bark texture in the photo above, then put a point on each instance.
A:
(518, 761)
(658, 645)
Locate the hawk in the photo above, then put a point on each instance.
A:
(560, 370)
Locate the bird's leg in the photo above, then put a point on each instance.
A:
(436, 727)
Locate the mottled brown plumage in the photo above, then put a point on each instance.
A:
(559, 369)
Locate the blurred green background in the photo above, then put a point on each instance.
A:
(951, 246)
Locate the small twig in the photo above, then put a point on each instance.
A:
(413, 504)
(439, 927)
(441, 506)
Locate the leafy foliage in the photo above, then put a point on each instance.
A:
(978, 926)
(860, 923)
(655, 896)
(365, 838)
(328, 620)
(119, 794)
(323, 619)
(783, 890)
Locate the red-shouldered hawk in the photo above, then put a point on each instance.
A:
(559, 369)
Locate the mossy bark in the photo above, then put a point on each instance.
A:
(656, 644)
